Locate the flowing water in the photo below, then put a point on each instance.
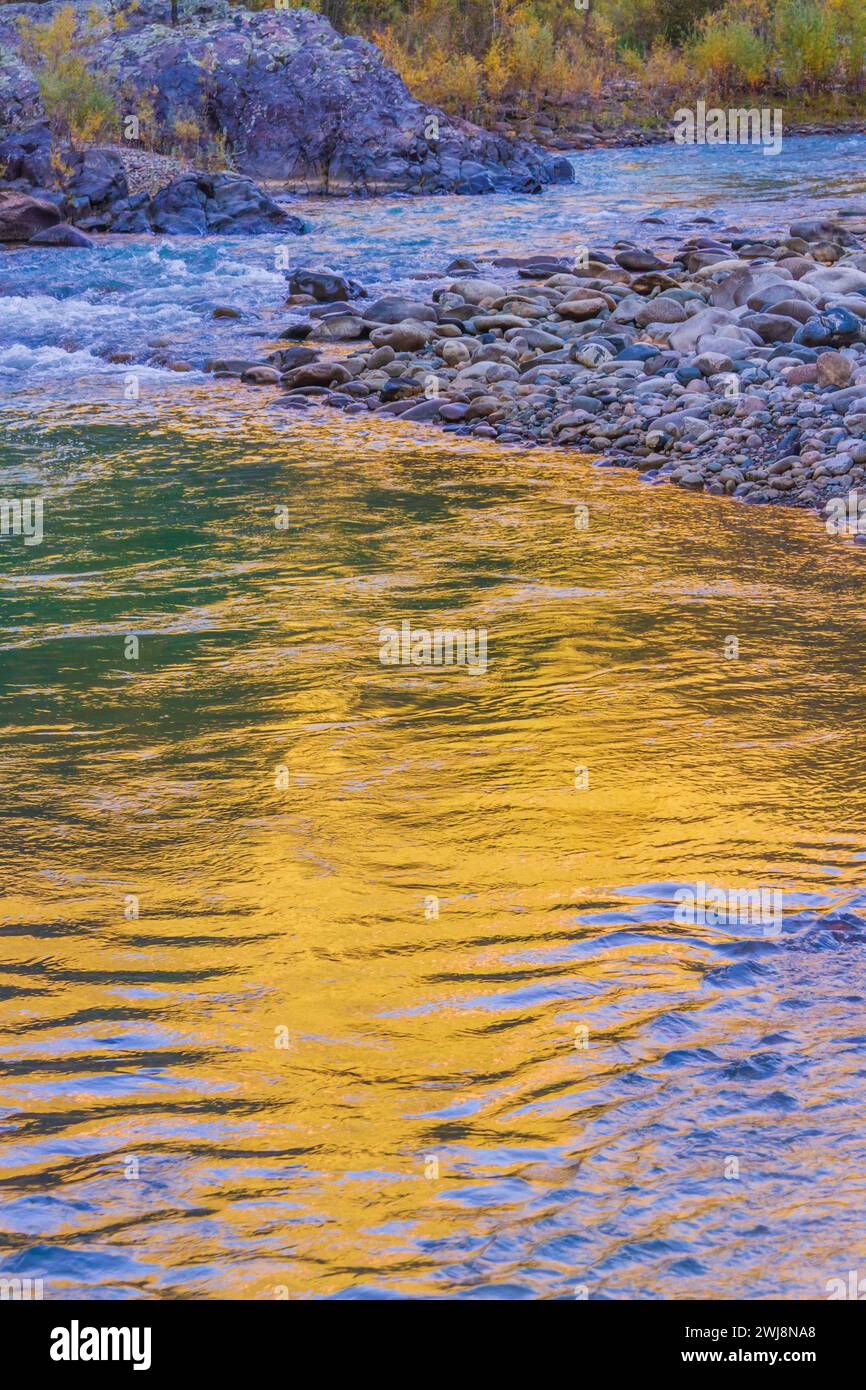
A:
(323, 977)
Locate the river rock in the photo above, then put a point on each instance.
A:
(424, 410)
(660, 310)
(582, 309)
(260, 376)
(685, 336)
(771, 328)
(394, 309)
(317, 374)
(323, 285)
(338, 328)
(287, 358)
(833, 369)
(62, 235)
(402, 337)
(801, 375)
(711, 363)
(475, 291)
(634, 259)
(800, 310)
(836, 281)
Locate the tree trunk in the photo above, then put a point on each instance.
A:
(174, 14)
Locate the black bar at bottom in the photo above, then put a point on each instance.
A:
(82, 1340)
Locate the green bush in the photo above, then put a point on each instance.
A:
(77, 102)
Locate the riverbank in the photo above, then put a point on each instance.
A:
(623, 114)
(733, 364)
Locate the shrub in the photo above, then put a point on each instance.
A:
(729, 53)
(77, 102)
(805, 41)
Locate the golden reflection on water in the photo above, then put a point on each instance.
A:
(427, 908)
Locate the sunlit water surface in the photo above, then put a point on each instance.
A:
(405, 1010)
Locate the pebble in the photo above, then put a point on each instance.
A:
(730, 366)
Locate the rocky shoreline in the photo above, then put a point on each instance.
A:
(735, 366)
(621, 116)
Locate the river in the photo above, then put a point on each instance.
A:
(323, 978)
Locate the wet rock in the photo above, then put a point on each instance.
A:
(260, 376)
(297, 331)
(230, 366)
(816, 229)
(323, 285)
(316, 374)
(287, 358)
(399, 388)
(837, 327)
(424, 410)
(62, 235)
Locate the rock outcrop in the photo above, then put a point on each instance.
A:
(298, 105)
(89, 188)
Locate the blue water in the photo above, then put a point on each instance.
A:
(61, 313)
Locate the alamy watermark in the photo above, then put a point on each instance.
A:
(736, 126)
(22, 516)
(846, 516)
(77, 1343)
(852, 1287)
(20, 1290)
(704, 905)
(438, 646)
